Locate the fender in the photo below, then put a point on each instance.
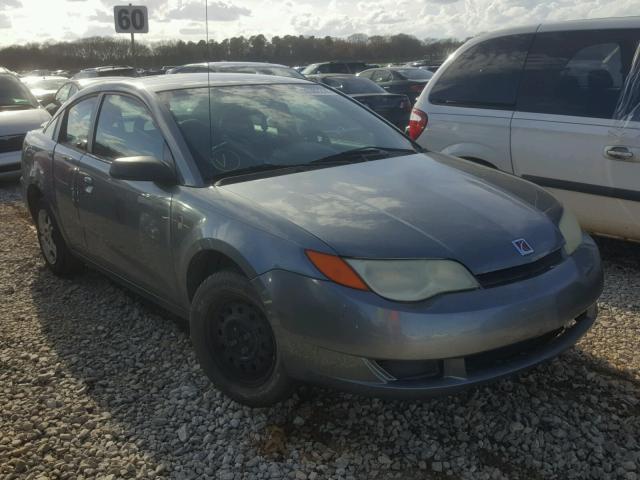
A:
(485, 154)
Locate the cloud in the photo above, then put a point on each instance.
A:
(195, 30)
(99, 31)
(7, 4)
(5, 22)
(100, 16)
(217, 12)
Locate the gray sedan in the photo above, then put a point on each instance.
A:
(304, 238)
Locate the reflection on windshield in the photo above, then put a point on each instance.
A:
(274, 125)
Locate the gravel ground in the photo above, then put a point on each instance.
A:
(95, 383)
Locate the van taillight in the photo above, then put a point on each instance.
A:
(417, 123)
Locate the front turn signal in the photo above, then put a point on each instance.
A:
(336, 269)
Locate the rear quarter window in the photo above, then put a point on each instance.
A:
(578, 73)
(487, 75)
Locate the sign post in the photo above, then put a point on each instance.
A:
(131, 19)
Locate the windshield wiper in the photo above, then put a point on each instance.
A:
(364, 154)
(350, 156)
(265, 167)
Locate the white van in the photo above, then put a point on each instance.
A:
(556, 104)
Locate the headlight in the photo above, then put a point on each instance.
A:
(413, 280)
(571, 231)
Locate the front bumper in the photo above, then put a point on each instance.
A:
(10, 165)
(336, 335)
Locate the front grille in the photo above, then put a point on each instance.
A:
(521, 272)
(505, 355)
(11, 143)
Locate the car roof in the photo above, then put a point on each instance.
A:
(84, 82)
(234, 64)
(591, 24)
(338, 76)
(159, 83)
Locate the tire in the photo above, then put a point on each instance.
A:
(54, 250)
(234, 341)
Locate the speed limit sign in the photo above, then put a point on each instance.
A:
(131, 19)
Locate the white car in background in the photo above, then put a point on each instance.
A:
(19, 113)
(557, 104)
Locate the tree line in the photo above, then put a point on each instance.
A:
(288, 50)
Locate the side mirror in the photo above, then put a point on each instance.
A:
(144, 169)
(52, 108)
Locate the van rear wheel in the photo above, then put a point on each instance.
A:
(234, 341)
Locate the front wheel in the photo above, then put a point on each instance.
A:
(234, 341)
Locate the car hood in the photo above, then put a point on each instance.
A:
(41, 92)
(13, 122)
(415, 206)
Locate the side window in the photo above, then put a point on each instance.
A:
(339, 68)
(72, 91)
(75, 131)
(63, 93)
(50, 129)
(125, 128)
(577, 73)
(382, 76)
(485, 76)
(366, 74)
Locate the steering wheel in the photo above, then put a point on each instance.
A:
(230, 155)
(316, 135)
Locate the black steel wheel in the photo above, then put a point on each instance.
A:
(234, 341)
(242, 341)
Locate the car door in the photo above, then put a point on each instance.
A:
(72, 144)
(127, 223)
(575, 133)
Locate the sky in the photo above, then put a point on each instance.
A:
(24, 21)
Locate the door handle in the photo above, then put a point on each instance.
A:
(88, 184)
(618, 153)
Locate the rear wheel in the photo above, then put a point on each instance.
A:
(235, 343)
(54, 250)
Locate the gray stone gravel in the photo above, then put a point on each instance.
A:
(96, 384)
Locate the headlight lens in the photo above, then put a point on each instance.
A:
(413, 280)
(571, 231)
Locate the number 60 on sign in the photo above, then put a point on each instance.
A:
(131, 19)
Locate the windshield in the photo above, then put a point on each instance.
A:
(14, 95)
(253, 126)
(264, 70)
(415, 73)
(353, 85)
(44, 83)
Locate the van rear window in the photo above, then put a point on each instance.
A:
(486, 75)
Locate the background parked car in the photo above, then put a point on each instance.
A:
(106, 71)
(37, 73)
(19, 113)
(393, 107)
(406, 80)
(44, 88)
(336, 67)
(424, 65)
(557, 104)
(238, 67)
(69, 89)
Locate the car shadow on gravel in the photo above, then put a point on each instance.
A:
(136, 363)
